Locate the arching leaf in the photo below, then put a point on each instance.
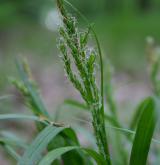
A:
(144, 133)
(54, 154)
(33, 154)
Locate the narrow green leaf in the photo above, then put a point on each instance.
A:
(21, 117)
(11, 152)
(128, 131)
(70, 134)
(7, 140)
(11, 140)
(144, 133)
(77, 157)
(138, 113)
(33, 154)
(98, 158)
(54, 154)
(68, 138)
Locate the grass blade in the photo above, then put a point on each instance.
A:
(144, 133)
(21, 117)
(54, 154)
(11, 140)
(7, 140)
(33, 154)
(130, 132)
(11, 152)
(68, 138)
(97, 157)
(138, 113)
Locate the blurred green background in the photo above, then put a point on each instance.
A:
(29, 28)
